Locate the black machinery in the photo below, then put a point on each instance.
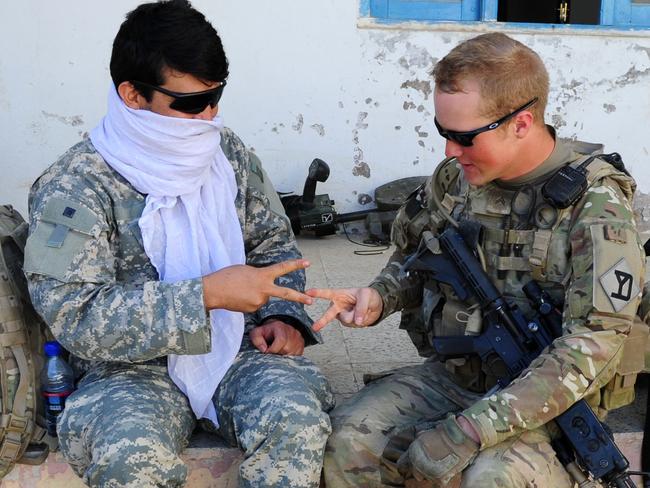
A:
(316, 213)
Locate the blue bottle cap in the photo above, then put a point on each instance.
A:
(52, 348)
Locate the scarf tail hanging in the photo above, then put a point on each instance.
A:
(189, 218)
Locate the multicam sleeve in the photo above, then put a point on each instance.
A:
(70, 269)
(397, 290)
(601, 299)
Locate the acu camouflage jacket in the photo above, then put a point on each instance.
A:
(91, 281)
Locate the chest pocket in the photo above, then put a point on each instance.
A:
(541, 252)
(61, 235)
(131, 263)
(128, 229)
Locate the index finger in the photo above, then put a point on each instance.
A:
(325, 293)
(329, 315)
(284, 267)
(290, 294)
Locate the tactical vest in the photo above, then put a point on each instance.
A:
(523, 238)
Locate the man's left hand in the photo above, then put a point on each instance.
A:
(277, 337)
(440, 454)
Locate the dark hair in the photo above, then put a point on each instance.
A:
(162, 35)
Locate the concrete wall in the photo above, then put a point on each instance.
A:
(309, 79)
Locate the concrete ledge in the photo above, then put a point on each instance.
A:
(218, 467)
(211, 464)
(630, 445)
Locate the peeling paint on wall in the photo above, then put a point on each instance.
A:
(389, 41)
(276, 128)
(364, 199)
(641, 206)
(319, 129)
(416, 57)
(299, 124)
(357, 155)
(360, 120)
(423, 86)
(632, 76)
(72, 120)
(419, 132)
(361, 169)
(642, 49)
(558, 121)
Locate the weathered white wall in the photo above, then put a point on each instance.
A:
(306, 81)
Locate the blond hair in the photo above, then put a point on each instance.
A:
(508, 73)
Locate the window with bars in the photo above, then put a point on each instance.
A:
(612, 13)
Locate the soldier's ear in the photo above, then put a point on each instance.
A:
(522, 123)
(131, 96)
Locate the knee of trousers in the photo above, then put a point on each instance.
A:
(348, 442)
(492, 473)
(353, 457)
(137, 462)
(116, 459)
(290, 415)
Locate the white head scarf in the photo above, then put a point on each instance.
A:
(189, 224)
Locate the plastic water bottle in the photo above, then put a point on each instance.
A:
(57, 382)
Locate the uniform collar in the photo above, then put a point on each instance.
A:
(565, 151)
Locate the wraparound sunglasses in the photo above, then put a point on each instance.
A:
(189, 103)
(465, 138)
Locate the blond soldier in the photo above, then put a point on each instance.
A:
(434, 422)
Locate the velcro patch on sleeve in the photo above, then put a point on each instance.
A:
(619, 284)
(63, 230)
(617, 270)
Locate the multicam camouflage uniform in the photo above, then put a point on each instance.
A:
(574, 254)
(91, 280)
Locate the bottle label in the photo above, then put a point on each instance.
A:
(54, 405)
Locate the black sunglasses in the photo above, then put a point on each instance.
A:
(189, 103)
(465, 138)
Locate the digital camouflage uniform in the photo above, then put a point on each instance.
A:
(574, 255)
(92, 282)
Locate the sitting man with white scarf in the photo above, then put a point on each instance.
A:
(158, 257)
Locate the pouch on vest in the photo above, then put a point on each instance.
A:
(22, 334)
(620, 389)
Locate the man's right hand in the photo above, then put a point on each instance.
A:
(243, 288)
(353, 307)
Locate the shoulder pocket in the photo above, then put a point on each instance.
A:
(618, 269)
(59, 235)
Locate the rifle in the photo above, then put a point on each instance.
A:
(509, 336)
(317, 214)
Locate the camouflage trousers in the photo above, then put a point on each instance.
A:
(126, 424)
(374, 427)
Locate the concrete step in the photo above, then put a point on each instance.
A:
(211, 464)
(216, 466)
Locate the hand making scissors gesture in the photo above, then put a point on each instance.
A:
(353, 307)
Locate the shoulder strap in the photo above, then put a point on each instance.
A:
(17, 367)
(13, 226)
(596, 167)
(441, 202)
